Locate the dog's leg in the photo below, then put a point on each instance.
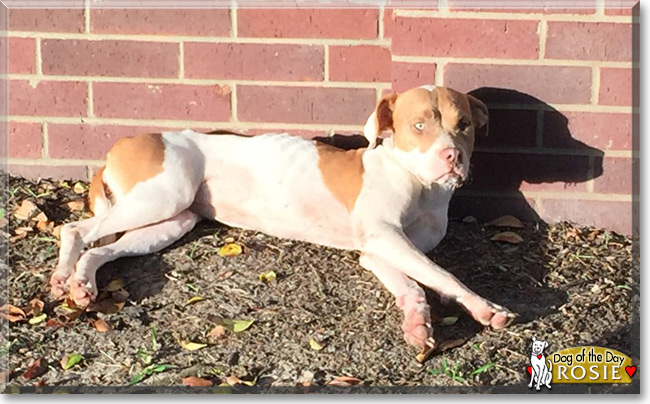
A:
(532, 376)
(390, 245)
(144, 240)
(410, 298)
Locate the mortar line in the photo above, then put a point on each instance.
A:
(595, 85)
(233, 20)
(590, 174)
(39, 61)
(439, 74)
(600, 8)
(543, 33)
(87, 16)
(89, 173)
(443, 7)
(410, 13)
(517, 62)
(45, 138)
(181, 60)
(380, 22)
(326, 63)
(233, 103)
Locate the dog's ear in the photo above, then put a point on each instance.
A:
(534, 339)
(480, 116)
(380, 120)
(545, 344)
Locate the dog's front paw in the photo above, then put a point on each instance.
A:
(486, 312)
(58, 284)
(82, 291)
(417, 323)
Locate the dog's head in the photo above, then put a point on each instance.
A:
(433, 131)
(539, 346)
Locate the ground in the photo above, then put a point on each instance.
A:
(323, 316)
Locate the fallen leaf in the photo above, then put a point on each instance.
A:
(267, 276)
(34, 307)
(506, 221)
(451, 320)
(234, 380)
(76, 206)
(64, 184)
(114, 285)
(36, 368)
(315, 345)
(237, 325)
(44, 226)
(41, 217)
(424, 354)
(344, 381)
(38, 319)
(196, 381)
(192, 346)
(79, 188)
(56, 231)
(12, 313)
(23, 230)
(100, 325)
(230, 250)
(26, 210)
(217, 332)
(68, 361)
(193, 300)
(508, 237)
(107, 306)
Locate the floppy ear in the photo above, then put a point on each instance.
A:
(480, 116)
(534, 339)
(545, 344)
(380, 120)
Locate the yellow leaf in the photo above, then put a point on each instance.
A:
(76, 206)
(64, 184)
(38, 319)
(267, 276)
(230, 250)
(234, 380)
(506, 221)
(508, 237)
(26, 210)
(79, 188)
(451, 320)
(315, 345)
(194, 300)
(237, 325)
(192, 346)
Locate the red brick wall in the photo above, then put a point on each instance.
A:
(558, 83)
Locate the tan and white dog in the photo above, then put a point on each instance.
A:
(389, 201)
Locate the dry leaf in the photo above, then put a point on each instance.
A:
(508, 237)
(425, 353)
(68, 361)
(315, 345)
(79, 188)
(506, 221)
(23, 230)
(12, 313)
(267, 276)
(236, 325)
(217, 332)
(76, 206)
(107, 306)
(230, 250)
(41, 217)
(114, 285)
(451, 320)
(344, 381)
(100, 325)
(192, 346)
(26, 210)
(193, 300)
(44, 226)
(56, 231)
(234, 380)
(196, 381)
(34, 307)
(35, 369)
(38, 319)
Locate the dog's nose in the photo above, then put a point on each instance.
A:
(450, 155)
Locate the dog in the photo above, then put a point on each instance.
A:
(540, 372)
(388, 201)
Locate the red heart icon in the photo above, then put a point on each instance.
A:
(631, 370)
(529, 369)
(539, 356)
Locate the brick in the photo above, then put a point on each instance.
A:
(620, 176)
(408, 75)
(527, 7)
(507, 39)
(21, 55)
(486, 208)
(254, 61)
(109, 58)
(69, 172)
(510, 128)
(25, 140)
(589, 41)
(305, 105)
(88, 141)
(360, 63)
(308, 23)
(581, 130)
(616, 216)
(620, 7)
(47, 98)
(161, 101)
(197, 22)
(511, 172)
(616, 86)
(47, 20)
(549, 84)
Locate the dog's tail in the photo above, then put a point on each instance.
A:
(99, 201)
(550, 365)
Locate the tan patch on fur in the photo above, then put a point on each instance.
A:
(96, 190)
(135, 159)
(342, 172)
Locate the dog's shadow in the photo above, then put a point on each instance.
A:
(529, 143)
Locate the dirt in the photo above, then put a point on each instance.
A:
(570, 285)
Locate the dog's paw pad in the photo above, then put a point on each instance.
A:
(487, 313)
(82, 292)
(58, 285)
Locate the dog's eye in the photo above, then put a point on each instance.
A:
(463, 124)
(419, 126)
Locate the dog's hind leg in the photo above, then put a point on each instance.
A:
(144, 240)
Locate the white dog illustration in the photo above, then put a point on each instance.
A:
(540, 373)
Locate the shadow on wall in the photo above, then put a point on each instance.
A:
(528, 147)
